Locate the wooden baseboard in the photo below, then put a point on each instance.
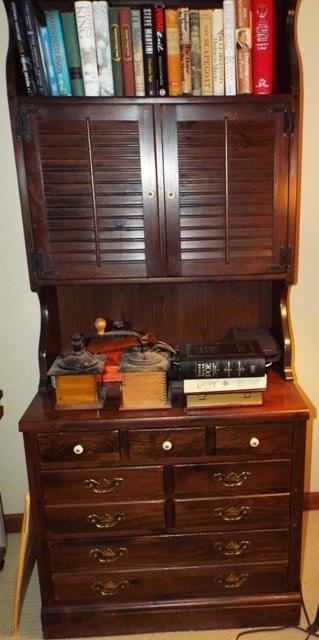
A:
(13, 521)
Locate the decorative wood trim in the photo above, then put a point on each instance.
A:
(13, 521)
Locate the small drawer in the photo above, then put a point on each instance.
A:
(80, 449)
(155, 444)
(168, 551)
(255, 440)
(232, 478)
(99, 485)
(106, 519)
(141, 586)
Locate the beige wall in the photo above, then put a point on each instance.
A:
(19, 317)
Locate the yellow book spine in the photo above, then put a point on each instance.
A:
(174, 66)
(205, 25)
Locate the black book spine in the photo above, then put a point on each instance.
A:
(31, 26)
(23, 49)
(149, 51)
(159, 17)
(222, 368)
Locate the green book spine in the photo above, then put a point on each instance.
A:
(116, 51)
(72, 49)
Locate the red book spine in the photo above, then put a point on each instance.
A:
(127, 51)
(263, 45)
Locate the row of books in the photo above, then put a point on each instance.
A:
(102, 50)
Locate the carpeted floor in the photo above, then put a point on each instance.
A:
(30, 628)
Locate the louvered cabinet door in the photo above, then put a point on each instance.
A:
(92, 191)
(226, 188)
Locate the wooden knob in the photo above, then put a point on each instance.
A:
(100, 325)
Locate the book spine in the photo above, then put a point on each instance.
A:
(85, 28)
(138, 52)
(116, 51)
(32, 33)
(185, 45)
(205, 22)
(174, 67)
(72, 51)
(159, 18)
(23, 49)
(263, 46)
(127, 51)
(149, 49)
(103, 47)
(61, 68)
(218, 53)
(47, 52)
(243, 47)
(229, 47)
(222, 368)
(209, 385)
(195, 51)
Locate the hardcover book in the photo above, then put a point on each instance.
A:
(174, 66)
(185, 45)
(103, 47)
(48, 58)
(32, 22)
(149, 50)
(223, 385)
(160, 39)
(72, 50)
(235, 399)
(229, 47)
(221, 360)
(127, 51)
(138, 52)
(116, 51)
(195, 51)
(23, 49)
(263, 22)
(85, 29)
(218, 53)
(206, 51)
(243, 46)
(53, 21)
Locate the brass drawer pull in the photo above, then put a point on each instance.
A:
(231, 581)
(232, 547)
(167, 445)
(107, 555)
(106, 520)
(232, 479)
(232, 514)
(254, 442)
(110, 587)
(102, 486)
(78, 449)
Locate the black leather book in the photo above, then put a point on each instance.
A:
(240, 359)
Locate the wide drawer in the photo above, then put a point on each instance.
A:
(164, 444)
(125, 587)
(80, 449)
(257, 440)
(232, 513)
(168, 551)
(147, 517)
(230, 478)
(99, 485)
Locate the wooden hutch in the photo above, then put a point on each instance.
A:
(178, 215)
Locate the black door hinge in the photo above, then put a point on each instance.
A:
(23, 126)
(38, 265)
(285, 258)
(289, 123)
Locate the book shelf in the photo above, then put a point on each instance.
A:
(178, 215)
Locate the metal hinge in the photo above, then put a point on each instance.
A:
(23, 126)
(38, 264)
(285, 257)
(289, 123)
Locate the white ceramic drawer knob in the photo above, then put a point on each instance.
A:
(254, 442)
(167, 445)
(78, 449)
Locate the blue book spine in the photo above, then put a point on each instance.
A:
(53, 21)
(45, 40)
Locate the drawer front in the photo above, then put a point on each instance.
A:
(79, 449)
(168, 551)
(102, 519)
(164, 444)
(254, 439)
(125, 587)
(233, 513)
(99, 485)
(232, 478)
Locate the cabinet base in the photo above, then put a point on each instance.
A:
(75, 622)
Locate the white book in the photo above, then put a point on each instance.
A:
(205, 385)
(103, 47)
(218, 52)
(85, 28)
(229, 47)
(138, 57)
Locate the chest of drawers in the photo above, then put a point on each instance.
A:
(166, 520)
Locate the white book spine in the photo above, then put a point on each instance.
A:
(137, 40)
(205, 385)
(218, 52)
(103, 47)
(85, 27)
(229, 47)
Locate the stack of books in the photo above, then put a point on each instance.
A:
(97, 49)
(222, 373)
